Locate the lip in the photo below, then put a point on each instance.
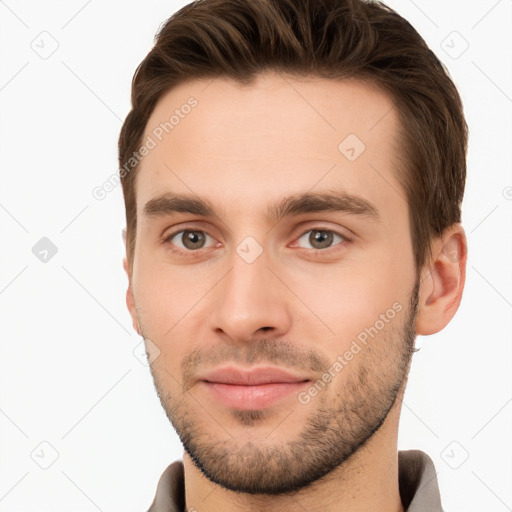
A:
(253, 377)
(251, 389)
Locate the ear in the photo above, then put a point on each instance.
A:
(130, 300)
(442, 281)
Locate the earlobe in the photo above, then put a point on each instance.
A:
(442, 282)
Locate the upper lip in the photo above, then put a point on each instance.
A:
(254, 376)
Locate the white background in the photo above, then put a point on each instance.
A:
(68, 373)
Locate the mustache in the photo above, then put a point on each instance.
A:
(264, 350)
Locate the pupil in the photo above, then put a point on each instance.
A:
(193, 239)
(323, 238)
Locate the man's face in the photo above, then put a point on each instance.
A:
(327, 294)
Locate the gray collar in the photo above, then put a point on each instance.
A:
(417, 479)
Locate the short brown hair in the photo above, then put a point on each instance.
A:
(336, 39)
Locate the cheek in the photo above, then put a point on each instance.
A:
(168, 300)
(159, 282)
(344, 300)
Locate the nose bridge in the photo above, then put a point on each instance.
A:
(249, 298)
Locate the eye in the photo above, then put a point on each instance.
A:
(187, 240)
(321, 239)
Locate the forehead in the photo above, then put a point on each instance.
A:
(279, 135)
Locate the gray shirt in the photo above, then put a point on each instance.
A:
(417, 480)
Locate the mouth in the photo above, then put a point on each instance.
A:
(250, 390)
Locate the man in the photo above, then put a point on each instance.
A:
(293, 172)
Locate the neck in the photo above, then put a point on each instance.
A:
(368, 480)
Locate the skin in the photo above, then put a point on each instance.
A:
(298, 305)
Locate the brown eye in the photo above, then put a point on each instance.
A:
(321, 238)
(188, 240)
(193, 239)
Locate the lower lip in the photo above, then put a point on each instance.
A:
(252, 397)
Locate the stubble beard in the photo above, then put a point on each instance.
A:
(337, 427)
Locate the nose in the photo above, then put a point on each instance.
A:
(250, 301)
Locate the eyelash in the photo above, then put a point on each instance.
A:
(197, 253)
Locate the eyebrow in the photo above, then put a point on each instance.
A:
(330, 201)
